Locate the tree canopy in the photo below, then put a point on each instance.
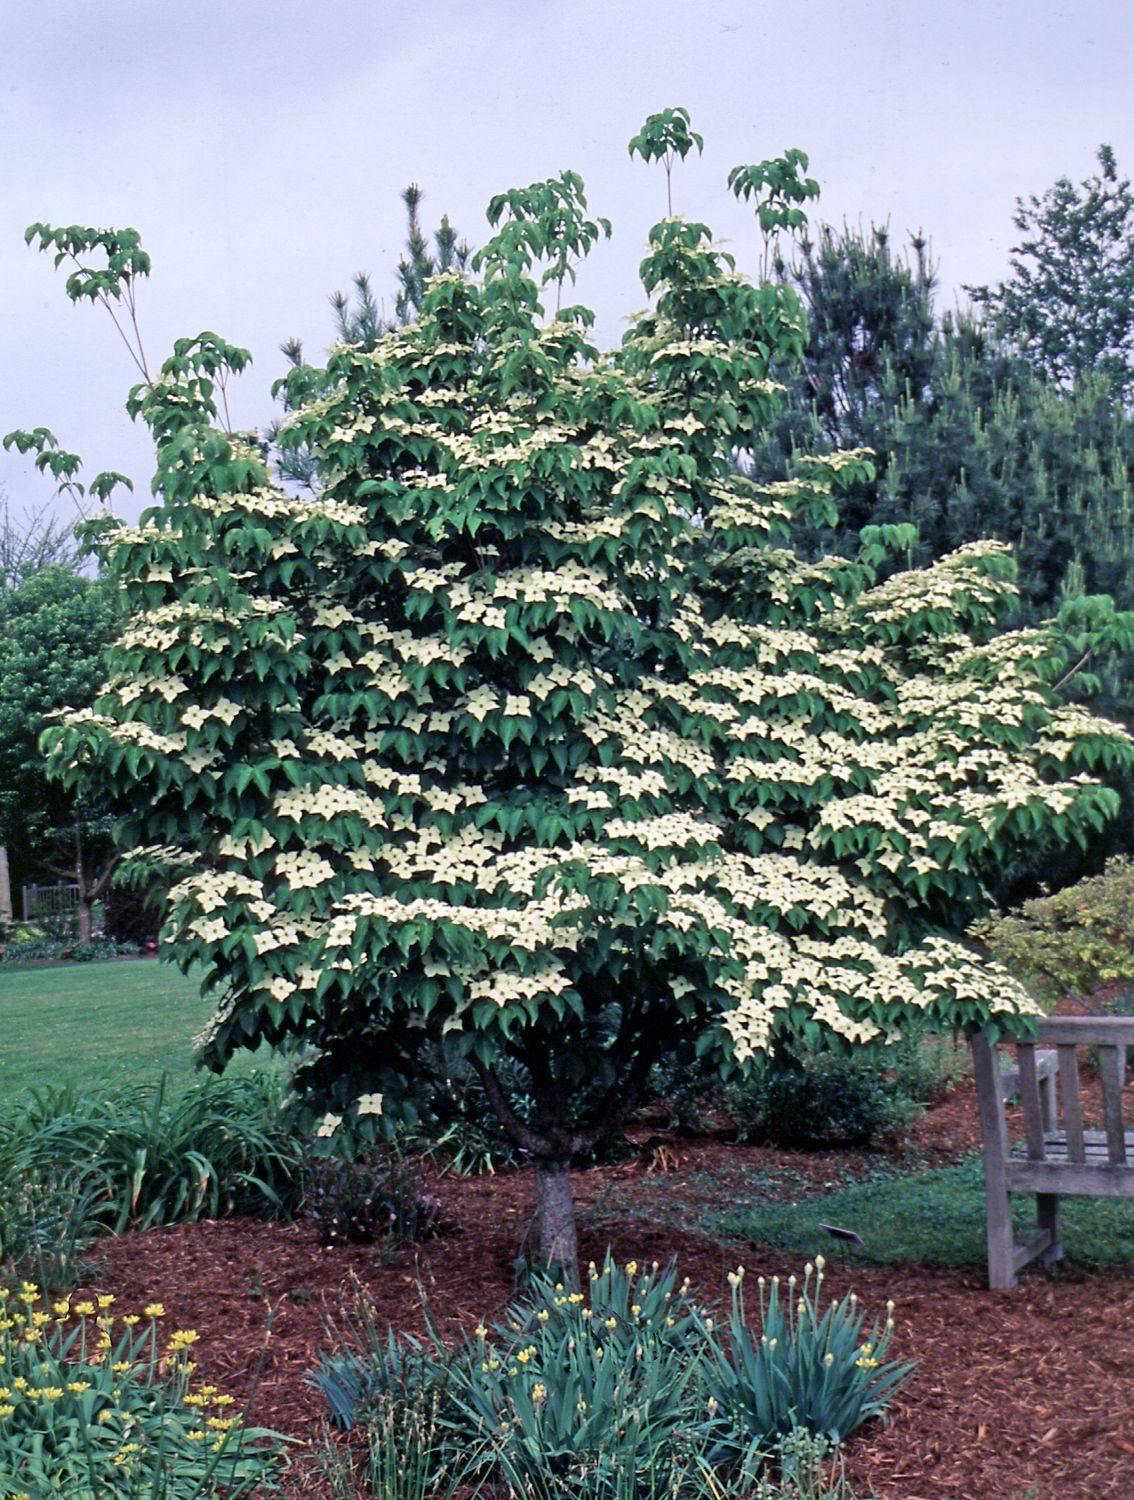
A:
(529, 734)
(55, 626)
(970, 441)
(1068, 305)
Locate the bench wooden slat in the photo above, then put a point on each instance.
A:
(1072, 1100)
(1095, 1153)
(1110, 1071)
(1030, 1099)
(1035, 1244)
(1084, 1179)
(1086, 1031)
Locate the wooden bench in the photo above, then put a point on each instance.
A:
(1058, 1155)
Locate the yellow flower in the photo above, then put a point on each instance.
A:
(61, 1309)
(154, 1310)
(84, 1309)
(77, 1387)
(106, 1300)
(131, 1318)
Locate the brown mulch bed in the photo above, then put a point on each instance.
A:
(1016, 1393)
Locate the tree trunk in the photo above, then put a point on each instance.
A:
(556, 1208)
(85, 902)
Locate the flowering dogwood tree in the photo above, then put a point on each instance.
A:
(528, 735)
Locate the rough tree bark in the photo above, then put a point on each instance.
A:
(555, 1206)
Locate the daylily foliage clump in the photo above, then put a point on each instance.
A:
(528, 735)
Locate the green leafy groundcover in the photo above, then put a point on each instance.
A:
(934, 1218)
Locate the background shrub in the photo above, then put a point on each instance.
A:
(131, 916)
(22, 948)
(825, 1099)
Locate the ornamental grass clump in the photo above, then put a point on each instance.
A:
(800, 1366)
(145, 1159)
(94, 1403)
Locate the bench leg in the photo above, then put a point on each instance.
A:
(1001, 1245)
(994, 1133)
(1047, 1217)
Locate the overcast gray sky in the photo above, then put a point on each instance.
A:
(260, 147)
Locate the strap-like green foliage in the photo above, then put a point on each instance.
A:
(529, 727)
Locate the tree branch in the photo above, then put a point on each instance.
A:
(514, 1128)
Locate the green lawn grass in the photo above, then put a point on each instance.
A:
(124, 1022)
(934, 1218)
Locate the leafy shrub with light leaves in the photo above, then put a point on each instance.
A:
(527, 733)
(1076, 943)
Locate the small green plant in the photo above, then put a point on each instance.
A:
(403, 1455)
(95, 1404)
(363, 1366)
(371, 1197)
(801, 1366)
(49, 1221)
